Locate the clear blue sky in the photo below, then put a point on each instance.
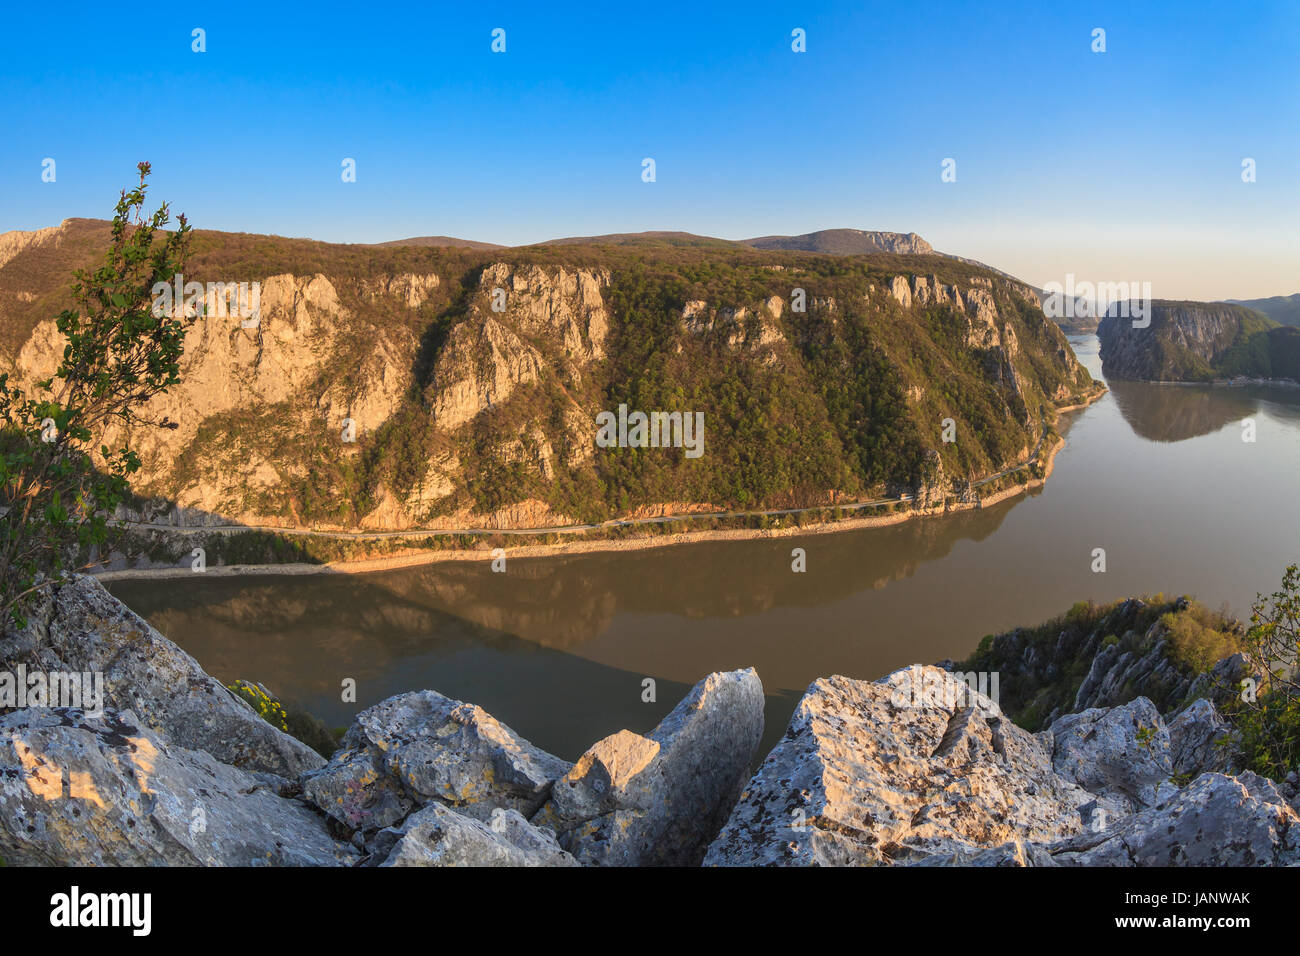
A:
(1122, 165)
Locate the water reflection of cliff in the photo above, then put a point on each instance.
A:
(1172, 413)
(304, 635)
(558, 602)
(499, 639)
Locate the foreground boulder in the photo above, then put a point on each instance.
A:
(440, 836)
(659, 799)
(914, 766)
(1122, 753)
(1216, 820)
(1200, 741)
(420, 748)
(107, 791)
(79, 627)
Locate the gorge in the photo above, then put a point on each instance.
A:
(1148, 473)
(473, 378)
(590, 630)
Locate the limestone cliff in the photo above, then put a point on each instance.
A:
(452, 387)
(1197, 341)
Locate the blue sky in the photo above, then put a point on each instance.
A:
(1123, 165)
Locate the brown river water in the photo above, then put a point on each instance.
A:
(558, 647)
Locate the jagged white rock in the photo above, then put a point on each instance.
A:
(421, 747)
(659, 799)
(867, 775)
(80, 627)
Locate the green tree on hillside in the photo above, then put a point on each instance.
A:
(54, 497)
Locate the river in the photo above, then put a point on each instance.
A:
(558, 647)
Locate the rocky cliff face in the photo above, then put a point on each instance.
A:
(492, 354)
(16, 241)
(303, 365)
(1185, 341)
(918, 768)
(390, 388)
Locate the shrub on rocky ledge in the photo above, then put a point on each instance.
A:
(1269, 718)
(291, 718)
(1108, 655)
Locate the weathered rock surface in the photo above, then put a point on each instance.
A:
(871, 773)
(420, 748)
(1215, 821)
(492, 354)
(296, 366)
(1013, 853)
(440, 836)
(736, 328)
(1200, 741)
(659, 799)
(1120, 752)
(106, 791)
(80, 627)
(410, 288)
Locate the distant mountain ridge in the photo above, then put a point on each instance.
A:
(441, 241)
(839, 242)
(1283, 309)
(846, 242)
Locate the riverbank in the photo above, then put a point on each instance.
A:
(426, 556)
(1228, 383)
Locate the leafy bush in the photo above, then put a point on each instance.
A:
(267, 707)
(1197, 638)
(1269, 720)
(54, 496)
(293, 720)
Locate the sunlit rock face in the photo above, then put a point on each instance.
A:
(658, 799)
(423, 388)
(875, 774)
(79, 627)
(1179, 341)
(107, 791)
